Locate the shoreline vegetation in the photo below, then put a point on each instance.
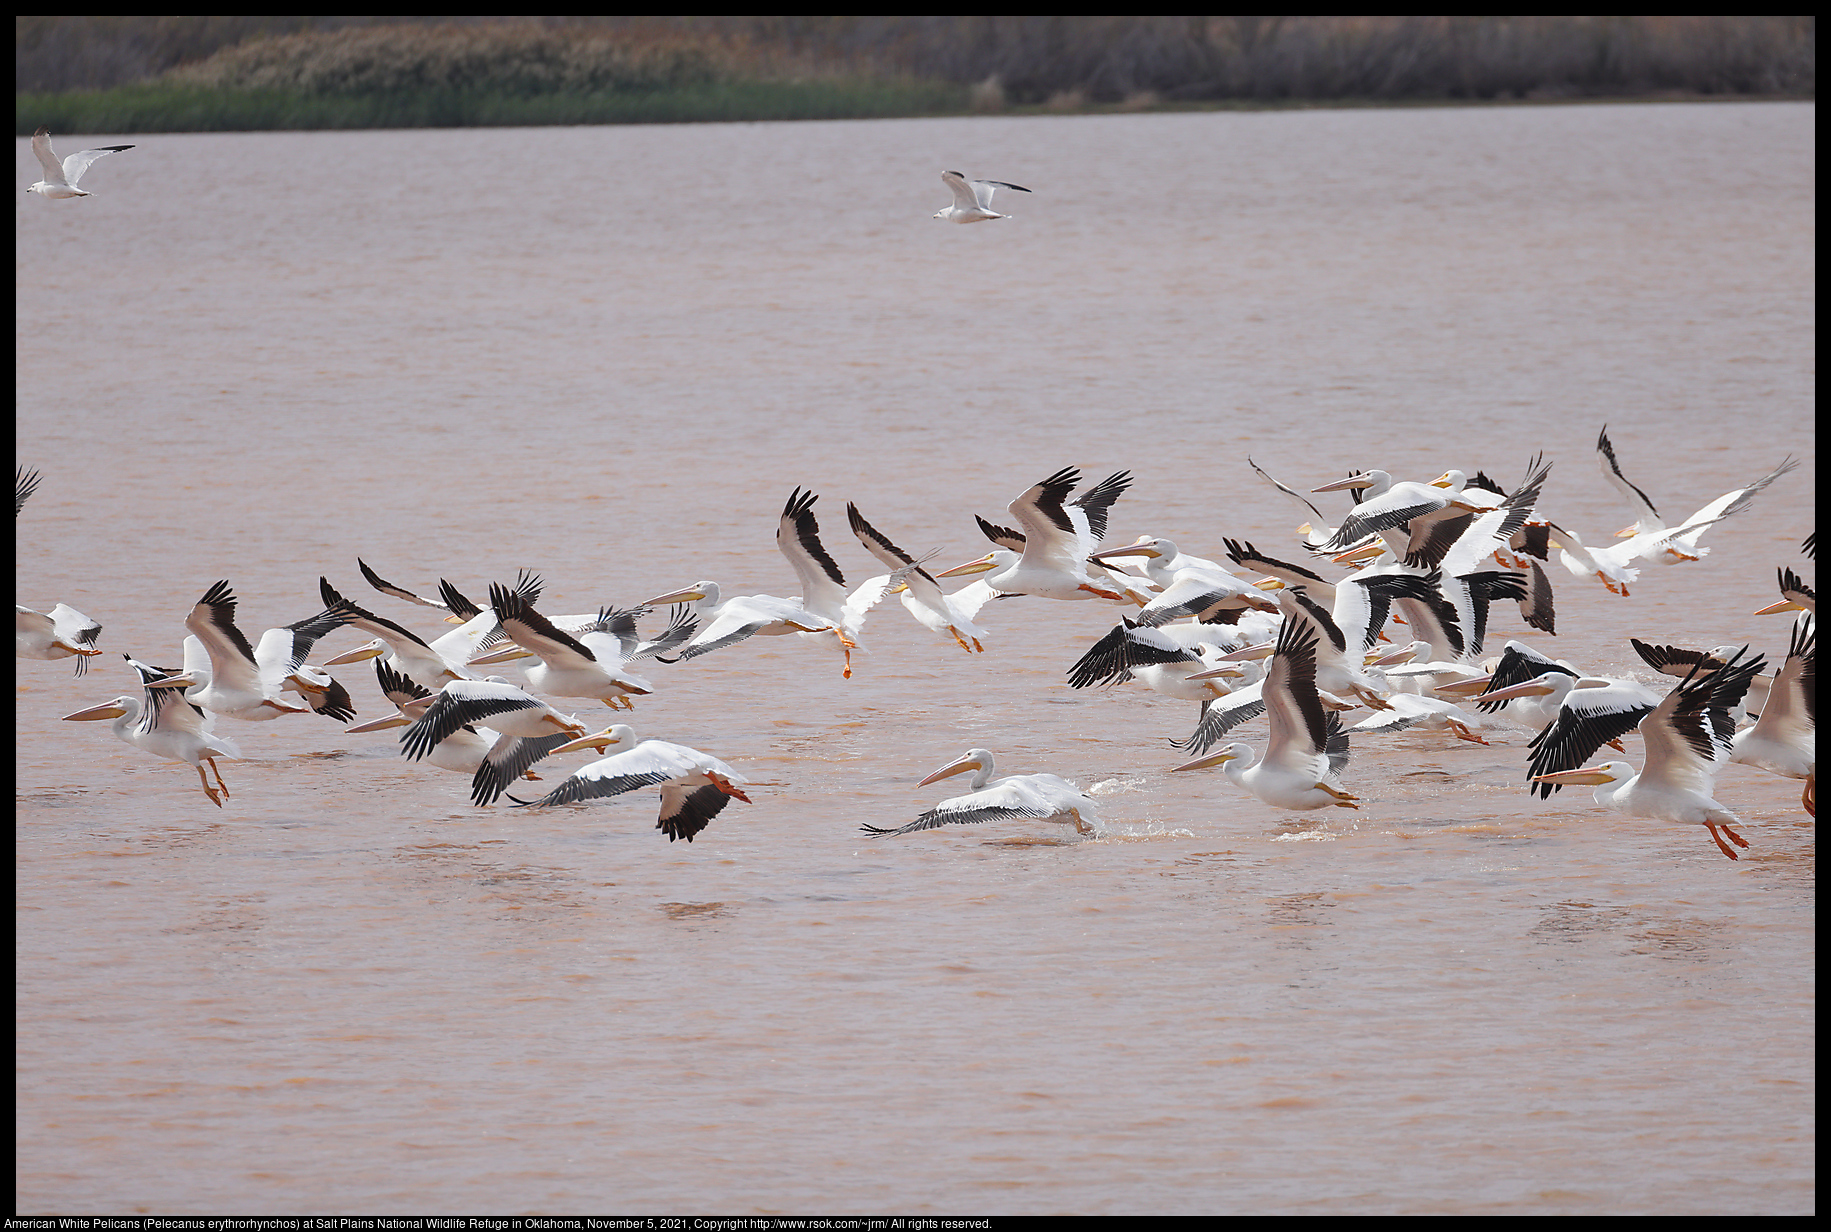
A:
(196, 74)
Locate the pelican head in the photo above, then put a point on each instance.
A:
(615, 734)
(120, 707)
(1232, 752)
(979, 760)
(1366, 479)
(374, 725)
(701, 590)
(1589, 776)
(1144, 545)
(368, 650)
(985, 564)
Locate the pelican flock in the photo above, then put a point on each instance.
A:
(1388, 612)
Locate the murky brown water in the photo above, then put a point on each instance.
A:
(608, 355)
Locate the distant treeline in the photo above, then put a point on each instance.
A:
(138, 74)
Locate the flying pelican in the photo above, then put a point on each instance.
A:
(408, 653)
(1785, 738)
(60, 178)
(1208, 595)
(590, 665)
(241, 683)
(1430, 713)
(1686, 743)
(1306, 748)
(1405, 513)
(1519, 665)
(166, 725)
(1612, 565)
(528, 730)
(1358, 605)
(695, 787)
(920, 593)
(1043, 796)
(1159, 658)
(1058, 535)
(1654, 543)
(973, 198)
(823, 586)
(63, 631)
(1159, 559)
(58, 634)
(725, 622)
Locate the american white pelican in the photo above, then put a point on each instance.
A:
(724, 622)
(1159, 559)
(1058, 535)
(408, 653)
(1045, 797)
(239, 685)
(590, 665)
(528, 730)
(1614, 565)
(166, 725)
(1209, 597)
(1550, 680)
(58, 634)
(1795, 596)
(1160, 659)
(63, 631)
(1359, 604)
(1428, 713)
(1471, 580)
(695, 787)
(60, 178)
(1598, 710)
(1653, 542)
(1405, 514)
(1785, 738)
(1686, 738)
(920, 593)
(823, 586)
(281, 653)
(1306, 747)
(973, 198)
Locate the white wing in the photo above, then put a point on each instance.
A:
(41, 146)
(965, 195)
(982, 191)
(77, 163)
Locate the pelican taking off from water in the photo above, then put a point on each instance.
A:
(1044, 797)
(1306, 748)
(166, 725)
(1687, 742)
(695, 788)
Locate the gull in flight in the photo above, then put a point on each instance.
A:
(60, 179)
(972, 198)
